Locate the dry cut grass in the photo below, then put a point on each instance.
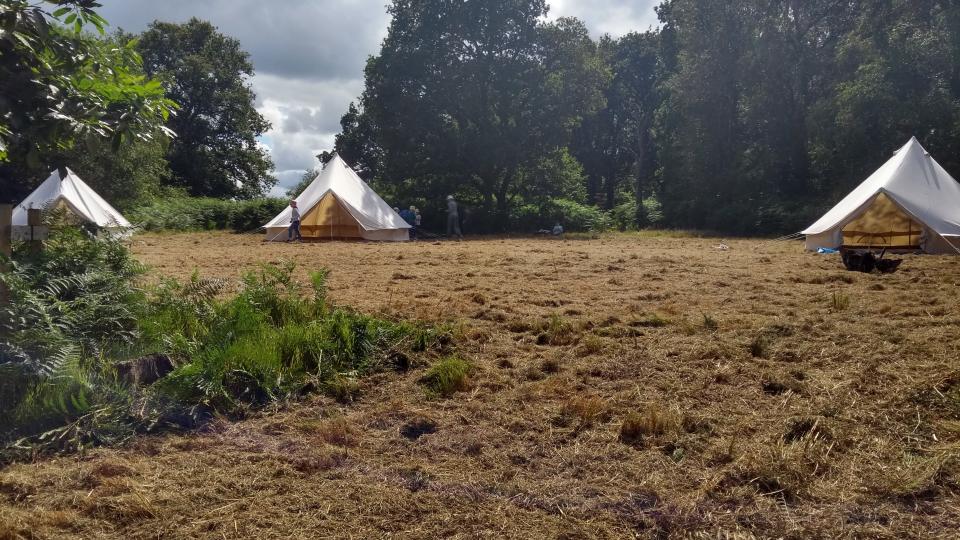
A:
(624, 386)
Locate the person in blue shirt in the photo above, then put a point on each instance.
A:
(410, 216)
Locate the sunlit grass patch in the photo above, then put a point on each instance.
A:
(447, 376)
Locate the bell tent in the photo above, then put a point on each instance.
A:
(338, 204)
(910, 203)
(63, 189)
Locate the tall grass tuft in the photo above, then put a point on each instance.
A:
(839, 301)
(446, 377)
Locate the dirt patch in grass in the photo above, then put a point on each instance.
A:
(759, 391)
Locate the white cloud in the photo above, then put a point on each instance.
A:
(614, 17)
(290, 38)
(305, 114)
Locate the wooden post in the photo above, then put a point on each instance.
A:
(34, 219)
(6, 218)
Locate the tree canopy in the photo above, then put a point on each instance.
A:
(60, 87)
(740, 116)
(743, 116)
(216, 152)
(470, 97)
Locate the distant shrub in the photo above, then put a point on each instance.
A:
(247, 216)
(653, 210)
(578, 217)
(191, 214)
(624, 216)
(572, 215)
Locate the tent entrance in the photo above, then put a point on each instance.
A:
(883, 225)
(329, 219)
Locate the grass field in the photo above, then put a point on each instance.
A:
(624, 386)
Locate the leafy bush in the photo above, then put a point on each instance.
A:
(188, 214)
(70, 306)
(577, 217)
(624, 216)
(247, 216)
(267, 341)
(182, 214)
(76, 313)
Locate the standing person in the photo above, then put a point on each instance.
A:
(453, 218)
(411, 218)
(418, 219)
(294, 222)
(407, 216)
(404, 215)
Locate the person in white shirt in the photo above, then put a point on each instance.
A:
(453, 218)
(294, 223)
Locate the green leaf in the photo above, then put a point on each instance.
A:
(69, 20)
(23, 40)
(62, 11)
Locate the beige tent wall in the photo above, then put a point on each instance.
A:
(329, 219)
(883, 224)
(830, 240)
(387, 235)
(938, 245)
(65, 211)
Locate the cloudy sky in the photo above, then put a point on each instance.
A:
(309, 55)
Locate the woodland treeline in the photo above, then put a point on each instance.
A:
(744, 116)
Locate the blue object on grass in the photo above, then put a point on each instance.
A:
(827, 251)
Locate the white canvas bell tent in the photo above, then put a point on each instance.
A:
(338, 204)
(910, 203)
(64, 189)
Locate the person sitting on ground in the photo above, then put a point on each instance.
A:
(453, 219)
(558, 229)
(294, 223)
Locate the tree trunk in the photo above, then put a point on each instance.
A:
(611, 186)
(641, 214)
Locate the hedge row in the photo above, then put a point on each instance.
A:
(190, 214)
